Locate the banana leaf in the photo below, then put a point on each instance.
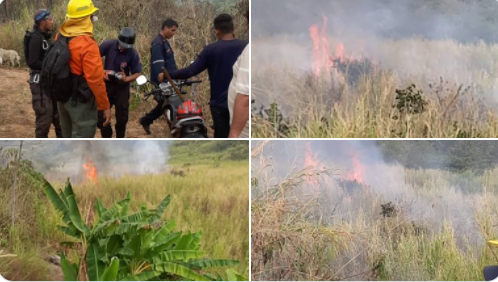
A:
(111, 272)
(69, 270)
(95, 266)
(179, 270)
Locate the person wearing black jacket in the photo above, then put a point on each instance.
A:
(162, 55)
(36, 44)
(122, 66)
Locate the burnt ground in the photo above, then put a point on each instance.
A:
(17, 118)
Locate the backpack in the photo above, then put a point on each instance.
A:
(27, 38)
(55, 77)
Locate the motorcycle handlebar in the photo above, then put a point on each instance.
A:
(147, 96)
(186, 83)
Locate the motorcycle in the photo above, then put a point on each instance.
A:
(185, 117)
(491, 272)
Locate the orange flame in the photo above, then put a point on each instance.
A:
(322, 56)
(311, 162)
(91, 172)
(357, 173)
(321, 48)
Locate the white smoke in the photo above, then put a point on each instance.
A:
(429, 197)
(62, 159)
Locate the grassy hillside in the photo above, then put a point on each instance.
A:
(209, 151)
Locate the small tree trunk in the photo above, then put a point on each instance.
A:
(6, 11)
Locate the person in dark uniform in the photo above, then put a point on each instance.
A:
(218, 58)
(36, 44)
(162, 55)
(122, 66)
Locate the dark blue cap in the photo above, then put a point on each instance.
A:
(42, 15)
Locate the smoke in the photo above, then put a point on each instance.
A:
(419, 41)
(135, 157)
(428, 197)
(461, 20)
(58, 160)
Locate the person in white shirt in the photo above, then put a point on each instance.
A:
(238, 96)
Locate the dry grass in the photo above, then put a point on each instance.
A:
(307, 231)
(458, 81)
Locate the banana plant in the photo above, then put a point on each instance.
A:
(127, 246)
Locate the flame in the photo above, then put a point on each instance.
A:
(357, 173)
(321, 49)
(322, 55)
(91, 172)
(339, 51)
(311, 162)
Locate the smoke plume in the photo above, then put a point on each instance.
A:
(62, 159)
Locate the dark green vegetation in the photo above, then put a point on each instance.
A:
(454, 155)
(129, 247)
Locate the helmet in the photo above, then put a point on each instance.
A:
(127, 37)
(80, 8)
(189, 109)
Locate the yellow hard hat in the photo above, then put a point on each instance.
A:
(494, 242)
(80, 8)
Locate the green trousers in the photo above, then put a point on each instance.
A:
(78, 120)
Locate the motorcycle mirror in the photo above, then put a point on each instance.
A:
(141, 80)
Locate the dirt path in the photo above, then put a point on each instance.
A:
(17, 118)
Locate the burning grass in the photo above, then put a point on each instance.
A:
(396, 224)
(350, 88)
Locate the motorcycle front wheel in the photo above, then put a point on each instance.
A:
(196, 135)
